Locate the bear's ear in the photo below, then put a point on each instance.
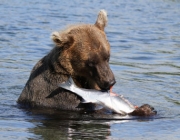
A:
(62, 40)
(101, 20)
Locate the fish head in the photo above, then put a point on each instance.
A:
(121, 105)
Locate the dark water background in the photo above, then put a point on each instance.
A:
(145, 58)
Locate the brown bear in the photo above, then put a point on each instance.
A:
(82, 52)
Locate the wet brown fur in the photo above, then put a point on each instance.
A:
(82, 52)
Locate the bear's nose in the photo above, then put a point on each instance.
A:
(112, 82)
(109, 84)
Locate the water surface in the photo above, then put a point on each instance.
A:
(145, 57)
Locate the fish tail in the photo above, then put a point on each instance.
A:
(68, 84)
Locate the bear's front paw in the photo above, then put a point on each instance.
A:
(144, 110)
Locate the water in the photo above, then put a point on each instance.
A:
(145, 58)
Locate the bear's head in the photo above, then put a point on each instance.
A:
(84, 54)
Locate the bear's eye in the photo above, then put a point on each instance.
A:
(107, 58)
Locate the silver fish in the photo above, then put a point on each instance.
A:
(117, 103)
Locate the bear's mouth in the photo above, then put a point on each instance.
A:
(86, 83)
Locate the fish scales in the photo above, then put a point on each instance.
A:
(116, 103)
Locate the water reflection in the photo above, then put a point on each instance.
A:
(54, 124)
(72, 129)
(67, 125)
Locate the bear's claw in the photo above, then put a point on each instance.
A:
(144, 110)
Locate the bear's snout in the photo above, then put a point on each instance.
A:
(104, 76)
(109, 84)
